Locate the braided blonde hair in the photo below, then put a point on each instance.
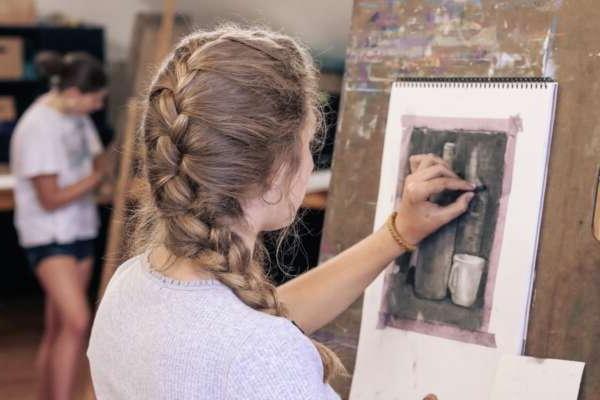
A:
(222, 116)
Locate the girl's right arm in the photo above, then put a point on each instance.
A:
(318, 296)
(51, 196)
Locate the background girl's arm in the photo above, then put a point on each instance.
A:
(101, 162)
(321, 294)
(52, 196)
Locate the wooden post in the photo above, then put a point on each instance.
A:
(113, 253)
(114, 248)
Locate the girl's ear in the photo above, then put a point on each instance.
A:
(274, 193)
(273, 196)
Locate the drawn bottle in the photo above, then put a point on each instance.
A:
(471, 225)
(469, 240)
(434, 258)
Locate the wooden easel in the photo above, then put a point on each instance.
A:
(596, 224)
(125, 180)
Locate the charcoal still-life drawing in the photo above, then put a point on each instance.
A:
(436, 320)
(443, 282)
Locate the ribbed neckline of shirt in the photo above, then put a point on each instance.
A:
(166, 281)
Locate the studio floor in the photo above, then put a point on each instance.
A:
(21, 326)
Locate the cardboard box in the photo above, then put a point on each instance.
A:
(11, 57)
(17, 12)
(7, 109)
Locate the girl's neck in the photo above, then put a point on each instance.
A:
(248, 237)
(187, 270)
(55, 101)
(162, 260)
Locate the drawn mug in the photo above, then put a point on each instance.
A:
(465, 277)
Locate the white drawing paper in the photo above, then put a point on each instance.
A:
(440, 320)
(529, 378)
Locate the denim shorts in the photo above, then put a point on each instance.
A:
(79, 249)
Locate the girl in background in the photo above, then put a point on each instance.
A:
(54, 158)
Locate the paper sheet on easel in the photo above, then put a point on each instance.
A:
(411, 342)
(529, 378)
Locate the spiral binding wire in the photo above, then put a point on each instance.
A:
(475, 82)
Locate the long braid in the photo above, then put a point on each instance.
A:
(230, 260)
(192, 210)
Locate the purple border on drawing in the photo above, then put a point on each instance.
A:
(511, 126)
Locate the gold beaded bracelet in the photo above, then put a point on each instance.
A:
(391, 225)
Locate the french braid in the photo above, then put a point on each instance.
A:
(223, 113)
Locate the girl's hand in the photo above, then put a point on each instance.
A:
(101, 164)
(417, 216)
(95, 179)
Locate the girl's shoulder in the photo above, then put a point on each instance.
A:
(278, 341)
(122, 275)
(277, 361)
(265, 330)
(38, 117)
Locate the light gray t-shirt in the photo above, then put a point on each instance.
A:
(158, 338)
(47, 142)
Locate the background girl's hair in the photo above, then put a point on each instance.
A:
(223, 115)
(76, 69)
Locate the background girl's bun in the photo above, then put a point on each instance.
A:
(48, 64)
(76, 69)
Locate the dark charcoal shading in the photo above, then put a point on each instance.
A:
(402, 301)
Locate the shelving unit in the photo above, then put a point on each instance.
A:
(38, 38)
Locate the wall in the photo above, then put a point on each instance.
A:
(323, 24)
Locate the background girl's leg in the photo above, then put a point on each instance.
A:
(84, 268)
(61, 281)
(51, 328)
